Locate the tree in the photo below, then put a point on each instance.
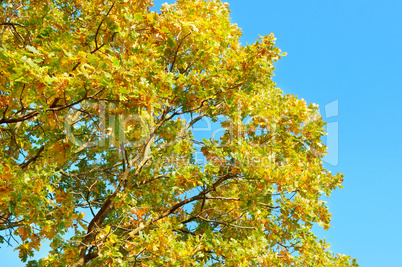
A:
(99, 102)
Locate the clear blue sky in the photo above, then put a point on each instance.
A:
(350, 51)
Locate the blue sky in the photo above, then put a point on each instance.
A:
(349, 51)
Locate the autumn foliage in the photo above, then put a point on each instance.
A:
(98, 105)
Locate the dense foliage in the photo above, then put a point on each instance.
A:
(98, 105)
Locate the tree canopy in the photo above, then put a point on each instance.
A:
(99, 102)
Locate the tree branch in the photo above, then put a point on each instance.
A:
(25, 165)
(180, 204)
(97, 31)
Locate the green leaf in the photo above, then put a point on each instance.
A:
(116, 62)
(138, 17)
(32, 49)
(11, 207)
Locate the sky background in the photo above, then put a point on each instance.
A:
(349, 51)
